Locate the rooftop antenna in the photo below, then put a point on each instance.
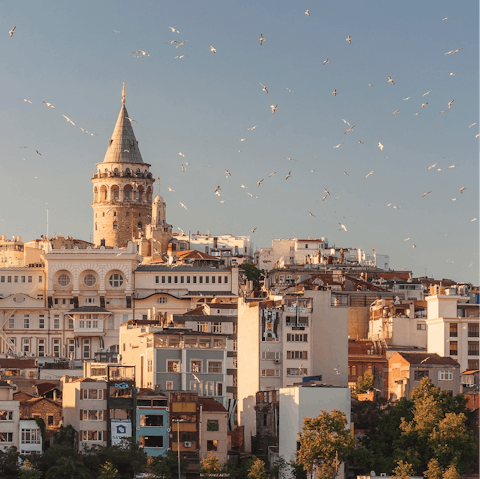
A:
(158, 186)
(123, 93)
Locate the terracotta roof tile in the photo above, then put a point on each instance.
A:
(209, 404)
(427, 358)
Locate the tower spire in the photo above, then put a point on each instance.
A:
(123, 93)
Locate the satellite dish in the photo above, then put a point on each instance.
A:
(19, 354)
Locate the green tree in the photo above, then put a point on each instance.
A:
(403, 470)
(434, 471)
(257, 469)
(364, 383)
(253, 274)
(324, 443)
(211, 464)
(68, 468)
(451, 473)
(9, 463)
(167, 465)
(49, 458)
(108, 471)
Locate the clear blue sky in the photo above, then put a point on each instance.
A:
(68, 54)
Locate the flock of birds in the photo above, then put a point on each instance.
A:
(273, 108)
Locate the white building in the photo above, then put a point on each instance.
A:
(283, 340)
(299, 402)
(30, 437)
(9, 417)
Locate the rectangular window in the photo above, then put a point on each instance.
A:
(2, 279)
(169, 386)
(453, 348)
(86, 348)
(209, 388)
(207, 279)
(26, 345)
(9, 279)
(30, 279)
(202, 327)
(175, 279)
(163, 279)
(56, 347)
(6, 415)
(270, 355)
(40, 279)
(93, 435)
(200, 279)
(473, 349)
(473, 364)
(169, 279)
(453, 330)
(188, 279)
(216, 327)
(6, 436)
(212, 445)
(11, 323)
(219, 389)
(173, 366)
(420, 374)
(56, 321)
(70, 323)
(41, 322)
(473, 330)
(31, 436)
(225, 279)
(26, 321)
(212, 424)
(71, 349)
(182, 279)
(41, 347)
(421, 326)
(215, 366)
(151, 420)
(296, 338)
(271, 373)
(196, 366)
(445, 375)
(297, 354)
(219, 279)
(92, 393)
(15, 279)
(296, 371)
(22, 278)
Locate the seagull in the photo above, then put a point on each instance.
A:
(324, 198)
(380, 146)
(337, 146)
(361, 142)
(451, 166)
(170, 189)
(307, 12)
(262, 38)
(406, 239)
(252, 196)
(181, 44)
(474, 219)
(423, 360)
(182, 205)
(415, 114)
(325, 62)
(334, 92)
(396, 207)
(142, 52)
(443, 19)
(425, 94)
(349, 39)
(172, 41)
(291, 91)
(350, 129)
(408, 98)
(223, 201)
(116, 31)
(11, 31)
(27, 100)
(452, 52)
(371, 173)
(433, 166)
(289, 175)
(181, 56)
(213, 49)
(48, 104)
(473, 124)
(311, 214)
(68, 119)
(273, 107)
(227, 173)
(345, 173)
(24, 147)
(439, 169)
(242, 139)
(38, 153)
(414, 245)
(395, 112)
(173, 30)
(130, 119)
(462, 189)
(425, 194)
(454, 199)
(326, 191)
(289, 159)
(259, 182)
(391, 81)
(346, 122)
(254, 229)
(272, 174)
(424, 105)
(443, 111)
(183, 169)
(243, 186)
(252, 128)
(264, 87)
(181, 154)
(342, 226)
(450, 104)
(452, 74)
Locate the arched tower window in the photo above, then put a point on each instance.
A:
(115, 192)
(127, 192)
(115, 171)
(103, 193)
(115, 225)
(149, 194)
(140, 194)
(114, 213)
(95, 226)
(95, 194)
(128, 172)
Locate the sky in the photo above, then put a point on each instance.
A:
(188, 99)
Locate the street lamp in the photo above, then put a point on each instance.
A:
(178, 442)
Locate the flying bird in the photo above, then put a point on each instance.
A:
(370, 84)
(254, 229)
(450, 104)
(345, 173)
(183, 169)
(424, 105)
(264, 87)
(307, 12)
(395, 112)
(433, 166)
(345, 121)
(227, 173)
(474, 219)
(324, 197)
(272, 174)
(262, 38)
(243, 186)
(325, 62)
(326, 191)
(361, 142)
(291, 91)
(68, 119)
(48, 104)
(451, 166)
(349, 39)
(350, 129)
(38, 153)
(454, 199)
(170, 189)
(311, 214)
(251, 195)
(425, 194)
(452, 74)
(130, 119)
(142, 52)
(337, 146)
(380, 146)
(274, 108)
(173, 30)
(425, 94)
(289, 175)
(343, 227)
(181, 154)
(11, 31)
(390, 80)
(252, 128)
(396, 207)
(414, 245)
(462, 189)
(452, 52)
(182, 205)
(116, 31)
(406, 239)
(408, 98)
(473, 124)
(259, 182)
(443, 19)
(213, 49)
(371, 173)
(289, 159)
(28, 101)
(334, 92)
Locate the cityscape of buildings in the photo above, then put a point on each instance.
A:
(171, 339)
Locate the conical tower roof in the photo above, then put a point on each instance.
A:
(123, 146)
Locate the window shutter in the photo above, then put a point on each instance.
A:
(81, 414)
(104, 438)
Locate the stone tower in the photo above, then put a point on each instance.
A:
(122, 188)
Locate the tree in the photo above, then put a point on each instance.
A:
(107, 471)
(434, 471)
(29, 472)
(211, 464)
(68, 468)
(403, 470)
(253, 274)
(324, 443)
(167, 465)
(451, 473)
(364, 383)
(9, 463)
(257, 469)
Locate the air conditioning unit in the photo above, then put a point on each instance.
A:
(187, 444)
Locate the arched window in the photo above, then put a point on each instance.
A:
(103, 193)
(90, 280)
(115, 171)
(127, 194)
(116, 280)
(115, 192)
(115, 225)
(127, 172)
(114, 213)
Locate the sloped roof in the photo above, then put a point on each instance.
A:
(18, 363)
(209, 404)
(223, 305)
(198, 311)
(428, 359)
(194, 254)
(123, 146)
(44, 388)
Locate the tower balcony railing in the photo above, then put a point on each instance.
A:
(112, 174)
